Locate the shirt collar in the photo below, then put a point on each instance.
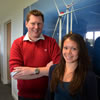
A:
(27, 38)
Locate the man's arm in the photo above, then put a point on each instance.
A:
(17, 64)
(26, 73)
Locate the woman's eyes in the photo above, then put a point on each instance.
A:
(72, 48)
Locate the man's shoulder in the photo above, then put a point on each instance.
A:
(48, 37)
(20, 39)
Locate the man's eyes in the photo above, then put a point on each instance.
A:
(36, 23)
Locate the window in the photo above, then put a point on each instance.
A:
(92, 36)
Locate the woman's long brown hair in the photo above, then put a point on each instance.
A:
(81, 70)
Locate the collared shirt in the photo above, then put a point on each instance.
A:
(39, 38)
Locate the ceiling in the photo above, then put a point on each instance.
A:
(8, 5)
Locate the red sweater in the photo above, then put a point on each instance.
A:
(33, 54)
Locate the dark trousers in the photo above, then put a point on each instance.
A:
(21, 98)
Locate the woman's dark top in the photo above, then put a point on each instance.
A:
(89, 89)
(62, 92)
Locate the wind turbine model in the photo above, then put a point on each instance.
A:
(69, 10)
(59, 20)
(69, 7)
(61, 14)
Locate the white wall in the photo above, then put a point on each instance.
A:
(15, 14)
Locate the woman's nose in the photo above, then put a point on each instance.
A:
(69, 51)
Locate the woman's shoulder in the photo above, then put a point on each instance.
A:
(91, 76)
(51, 69)
(90, 86)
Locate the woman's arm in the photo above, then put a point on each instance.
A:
(91, 87)
(50, 95)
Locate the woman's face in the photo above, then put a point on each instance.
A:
(70, 51)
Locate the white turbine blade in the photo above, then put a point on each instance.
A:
(74, 3)
(57, 7)
(71, 21)
(96, 13)
(79, 9)
(74, 15)
(60, 30)
(64, 2)
(64, 20)
(55, 27)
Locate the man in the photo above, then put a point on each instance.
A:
(31, 57)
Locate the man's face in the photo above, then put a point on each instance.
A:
(34, 26)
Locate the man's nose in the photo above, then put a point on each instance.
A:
(36, 26)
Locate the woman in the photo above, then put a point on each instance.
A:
(72, 78)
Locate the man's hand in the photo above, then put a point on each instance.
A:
(45, 70)
(23, 70)
(49, 64)
(27, 72)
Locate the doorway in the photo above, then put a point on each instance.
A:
(8, 49)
